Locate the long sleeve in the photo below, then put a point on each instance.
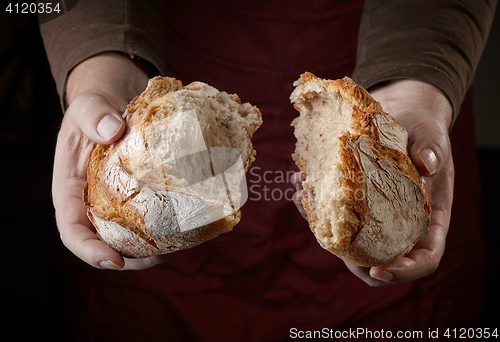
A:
(94, 26)
(435, 41)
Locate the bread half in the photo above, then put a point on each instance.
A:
(177, 176)
(365, 200)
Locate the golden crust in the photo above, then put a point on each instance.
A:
(357, 237)
(112, 190)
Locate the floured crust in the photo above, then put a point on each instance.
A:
(158, 189)
(369, 205)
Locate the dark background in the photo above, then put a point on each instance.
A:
(39, 297)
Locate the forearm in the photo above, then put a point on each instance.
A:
(438, 42)
(93, 27)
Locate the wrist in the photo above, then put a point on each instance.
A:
(110, 72)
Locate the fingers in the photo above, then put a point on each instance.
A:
(422, 261)
(363, 273)
(425, 256)
(297, 179)
(87, 246)
(76, 230)
(83, 242)
(297, 200)
(78, 235)
(144, 263)
(69, 178)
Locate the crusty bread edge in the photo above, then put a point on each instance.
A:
(348, 250)
(138, 245)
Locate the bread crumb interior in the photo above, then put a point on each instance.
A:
(324, 117)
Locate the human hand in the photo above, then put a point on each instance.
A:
(426, 114)
(98, 91)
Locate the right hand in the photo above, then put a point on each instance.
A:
(97, 92)
(426, 114)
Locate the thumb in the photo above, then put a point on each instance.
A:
(428, 148)
(97, 117)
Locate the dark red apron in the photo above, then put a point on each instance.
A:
(269, 275)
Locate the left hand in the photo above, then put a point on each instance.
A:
(97, 92)
(426, 114)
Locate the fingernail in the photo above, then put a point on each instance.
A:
(109, 265)
(429, 159)
(109, 126)
(385, 276)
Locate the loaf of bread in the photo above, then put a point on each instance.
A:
(365, 200)
(177, 176)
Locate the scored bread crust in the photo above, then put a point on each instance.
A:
(136, 196)
(372, 206)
